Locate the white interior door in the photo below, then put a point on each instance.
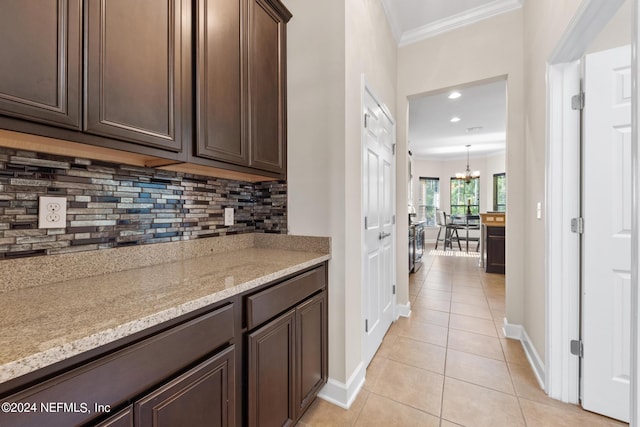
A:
(379, 196)
(606, 299)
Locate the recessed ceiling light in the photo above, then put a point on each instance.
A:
(455, 119)
(455, 95)
(474, 129)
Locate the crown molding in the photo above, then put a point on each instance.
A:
(467, 17)
(392, 18)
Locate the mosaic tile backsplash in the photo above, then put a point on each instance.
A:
(111, 205)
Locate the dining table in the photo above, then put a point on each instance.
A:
(466, 223)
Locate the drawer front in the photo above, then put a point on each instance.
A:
(267, 304)
(495, 231)
(120, 376)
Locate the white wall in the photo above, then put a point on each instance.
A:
(489, 49)
(331, 44)
(446, 169)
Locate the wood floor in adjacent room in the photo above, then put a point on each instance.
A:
(449, 363)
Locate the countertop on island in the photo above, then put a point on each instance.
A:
(50, 322)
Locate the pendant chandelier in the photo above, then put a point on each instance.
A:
(467, 175)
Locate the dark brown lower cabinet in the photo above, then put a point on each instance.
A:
(496, 252)
(271, 368)
(198, 370)
(123, 418)
(311, 350)
(287, 364)
(202, 397)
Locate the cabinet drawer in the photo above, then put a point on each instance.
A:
(118, 377)
(266, 304)
(495, 231)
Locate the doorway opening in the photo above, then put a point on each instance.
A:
(457, 171)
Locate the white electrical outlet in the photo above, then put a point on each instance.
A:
(228, 216)
(52, 212)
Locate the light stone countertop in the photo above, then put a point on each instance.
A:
(45, 324)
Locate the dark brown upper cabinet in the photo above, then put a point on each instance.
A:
(40, 77)
(138, 71)
(220, 83)
(267, 79)
(241, 100)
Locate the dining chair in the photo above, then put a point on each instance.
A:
(441, 222)
(451, 229)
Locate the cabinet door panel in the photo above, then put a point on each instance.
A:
(266, 86)
(271, 367)
(220, 98)
(202, 397)
(137, 77)
(40, 65)
(311, 350)
(123, 418)
(496, 253)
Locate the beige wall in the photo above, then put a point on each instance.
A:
(331, 43)
(486, 50)
(616, 33)
(371, 52)
(544, 23)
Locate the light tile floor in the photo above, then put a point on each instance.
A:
(449, 363)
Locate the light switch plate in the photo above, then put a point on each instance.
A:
(228, 216)
(52, 212)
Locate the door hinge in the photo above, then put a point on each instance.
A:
(577, 101)
(365, 222)
(393, 149)
(577, 225)
(577, 348)
(393, 219)
(366, 120)
(394, 289)
(366, 325)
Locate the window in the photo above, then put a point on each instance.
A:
(465, 196)
(429, 200)
(500, 192)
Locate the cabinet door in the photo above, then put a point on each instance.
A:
(266, 76)
(311, 350)
(270, 372)
(202, 397)
(40, 51)
(137, 71)
(219, 83)
(496, 253)
(123, 418)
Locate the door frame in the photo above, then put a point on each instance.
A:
(562, 195)
(366, 87)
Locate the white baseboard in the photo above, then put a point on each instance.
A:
(342, 394)
(403, 310)
(518, 332)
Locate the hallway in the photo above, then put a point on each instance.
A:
(449, 364)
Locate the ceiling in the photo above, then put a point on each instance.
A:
(413, 20)
(432, 135)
